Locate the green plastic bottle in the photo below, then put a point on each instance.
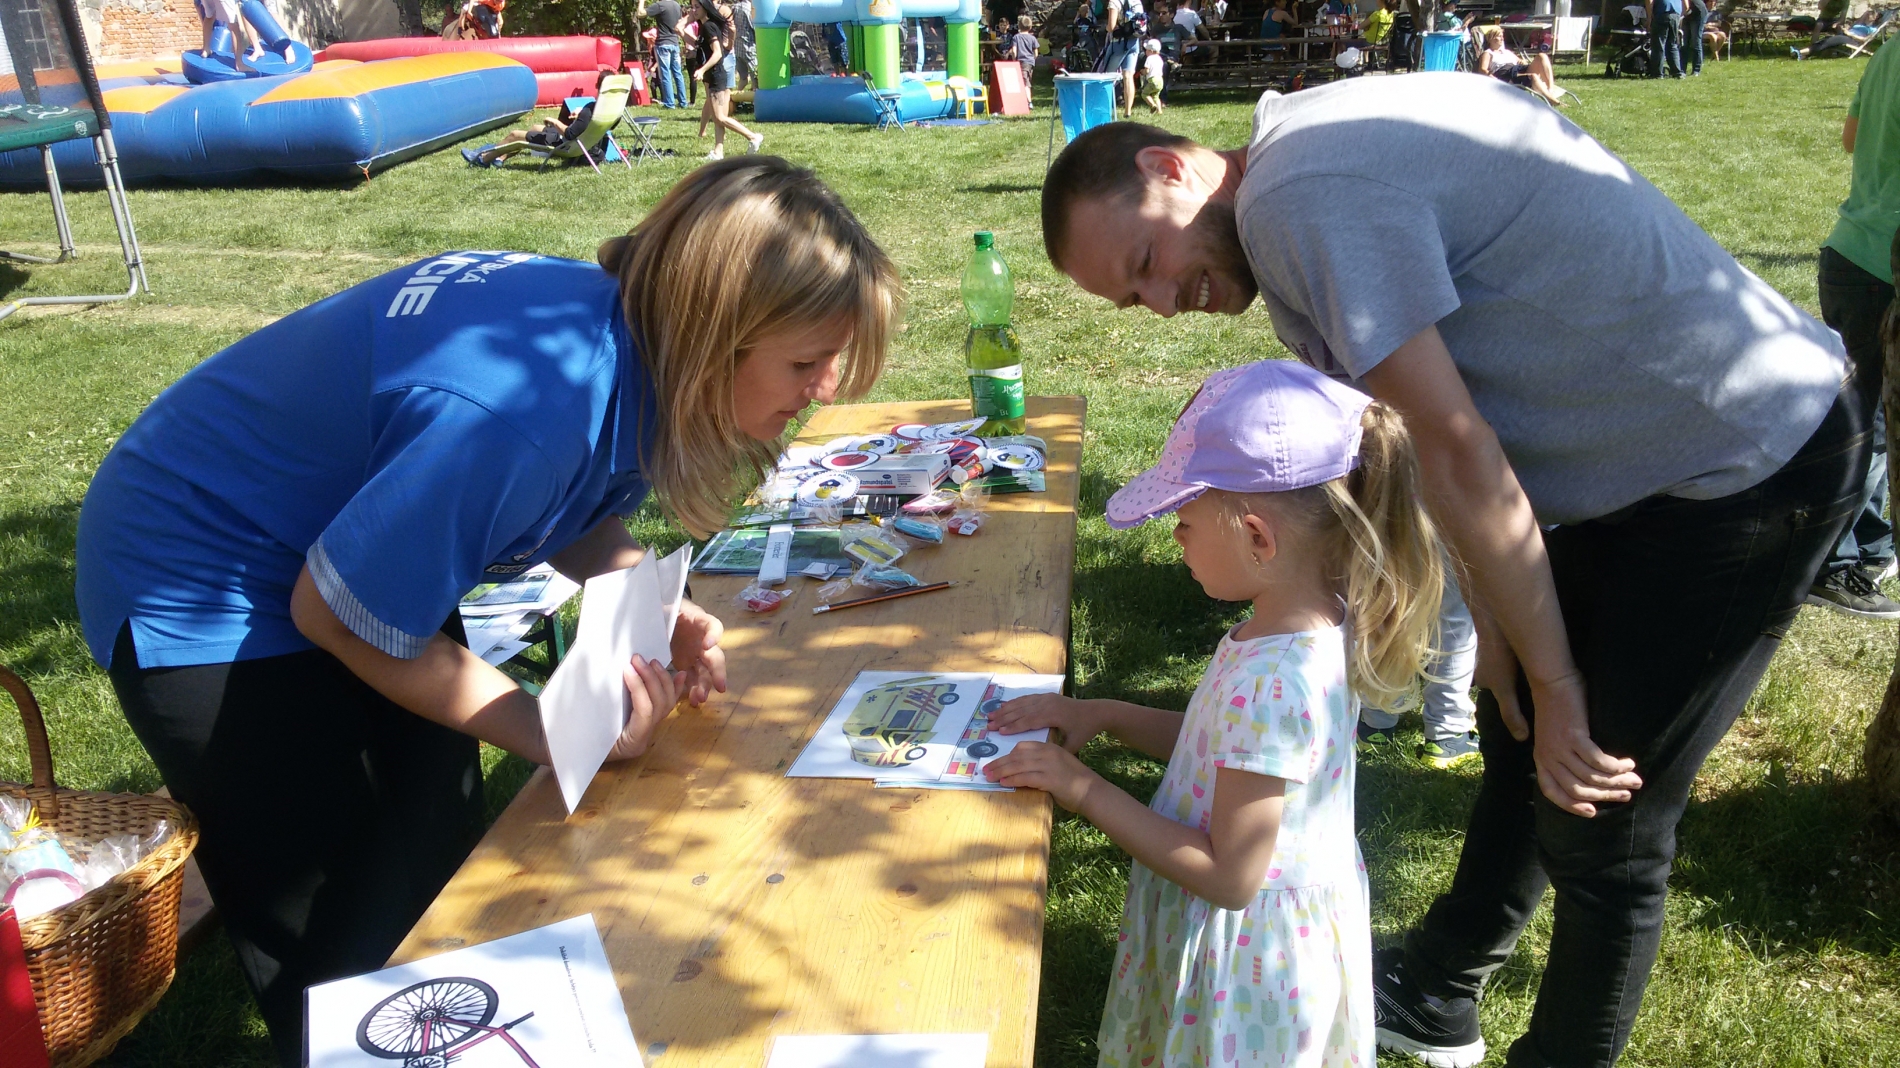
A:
(991, 353)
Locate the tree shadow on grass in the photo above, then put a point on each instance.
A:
(12, 277)
(1803, 865)
(36, 580)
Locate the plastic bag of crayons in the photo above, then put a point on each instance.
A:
(968, 518)
(867, 580)
(761, 599)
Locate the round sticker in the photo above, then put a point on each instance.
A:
(801, 455)
(958, 449)
(945, 431)
(836, 486)
(909, 431)
(845, 461)
(1015, 458)
(882, 444)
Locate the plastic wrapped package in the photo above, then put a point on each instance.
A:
(41, 870)
(762, 599)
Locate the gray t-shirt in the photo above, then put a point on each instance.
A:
(1614, 347)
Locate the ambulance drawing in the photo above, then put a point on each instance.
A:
(892, 723)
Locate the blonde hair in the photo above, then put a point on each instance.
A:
(735, 252)
(1379, 545)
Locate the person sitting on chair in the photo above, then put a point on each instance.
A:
(550, 133)
(1507, 66)
(1851, 36)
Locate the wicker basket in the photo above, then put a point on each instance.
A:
(99, 964)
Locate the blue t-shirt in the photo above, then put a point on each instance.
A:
(446, 424)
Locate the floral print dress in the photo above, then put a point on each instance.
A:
(1288, 979)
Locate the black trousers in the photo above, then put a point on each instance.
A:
(1674, 609)
(330, 816)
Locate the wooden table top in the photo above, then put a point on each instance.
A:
(737, 904)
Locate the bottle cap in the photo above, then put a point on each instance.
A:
(985, 239)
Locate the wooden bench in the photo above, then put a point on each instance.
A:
(737, 904)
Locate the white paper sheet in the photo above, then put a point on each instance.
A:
(585, 705)
(879, 1051)
(486, 633)
(550, 991)
(977, 746)
(505, 652)
(540, 589)
(898, 725)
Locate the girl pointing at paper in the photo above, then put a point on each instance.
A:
(270, 559)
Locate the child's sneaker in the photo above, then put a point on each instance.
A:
(1440, 1032)
(1373, 738)
(1453, 752)
(757, 139)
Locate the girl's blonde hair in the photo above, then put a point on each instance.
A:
(737, 251)
(1379, 545)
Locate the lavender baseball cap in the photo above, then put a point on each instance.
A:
(1267, 427)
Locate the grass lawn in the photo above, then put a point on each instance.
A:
(1783, 914)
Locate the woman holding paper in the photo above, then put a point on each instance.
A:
(270, 558)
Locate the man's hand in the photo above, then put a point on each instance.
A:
(1069, 718)
(697, 658)
(1049, 768)
(1571, 770)
(654, 693)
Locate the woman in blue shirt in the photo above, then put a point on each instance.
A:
(270, 559)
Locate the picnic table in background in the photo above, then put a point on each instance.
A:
(1253, 62)
(737, 904)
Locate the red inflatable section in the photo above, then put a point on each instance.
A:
(564, 66)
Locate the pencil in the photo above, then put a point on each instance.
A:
(876, 597)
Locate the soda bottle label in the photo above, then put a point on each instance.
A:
(997, 392)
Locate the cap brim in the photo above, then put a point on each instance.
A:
(1147, 495)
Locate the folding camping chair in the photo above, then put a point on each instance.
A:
(887, 101)
(643, 127)
(1883, 25)
(55, 97)
(609, 108)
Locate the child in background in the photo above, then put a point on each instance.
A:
(1245, 937)
(1154, 71)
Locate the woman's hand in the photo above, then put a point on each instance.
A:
(699, 74)
(697, 658)
(1049, 768)
(654, 692)
(1070, 719)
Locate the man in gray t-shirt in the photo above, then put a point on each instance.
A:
(1570, 352)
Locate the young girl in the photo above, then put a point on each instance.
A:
(1245, 938)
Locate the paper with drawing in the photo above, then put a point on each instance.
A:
(898, 725)
(977, 745)
(544, 997)
(585, 705)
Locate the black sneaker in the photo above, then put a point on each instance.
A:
(1851, 592)
(1440, 1032)
(1373, 738)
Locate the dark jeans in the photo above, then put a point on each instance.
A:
(329, 817)
(1668, 51)
(1853, 303)
(1674, 608)
(1692, 41)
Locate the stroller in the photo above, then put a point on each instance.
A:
(1633, 44)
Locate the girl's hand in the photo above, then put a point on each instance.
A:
(1049, 768)
(654, 692)
(1069, 718)
(696, 653)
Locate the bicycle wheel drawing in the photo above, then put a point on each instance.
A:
(427, 1018)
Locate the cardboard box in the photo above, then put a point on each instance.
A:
(907, 473)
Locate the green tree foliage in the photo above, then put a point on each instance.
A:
(529, 18)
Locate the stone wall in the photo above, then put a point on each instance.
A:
(134, 29)
(139, 29)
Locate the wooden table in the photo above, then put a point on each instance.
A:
(737, 904)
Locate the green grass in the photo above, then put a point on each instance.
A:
(1783, 917)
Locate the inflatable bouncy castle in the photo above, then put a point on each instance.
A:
(340, 122)
(281, 55)
(562, 66)
(876, 35)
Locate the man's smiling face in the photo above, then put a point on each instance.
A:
(1176, 249)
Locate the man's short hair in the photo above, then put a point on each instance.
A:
(1098, 165)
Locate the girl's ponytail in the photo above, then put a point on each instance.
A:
(1390, 557)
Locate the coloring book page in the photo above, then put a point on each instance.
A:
(586, 704)
(977, 746)
(898, 725)
(543, 998)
